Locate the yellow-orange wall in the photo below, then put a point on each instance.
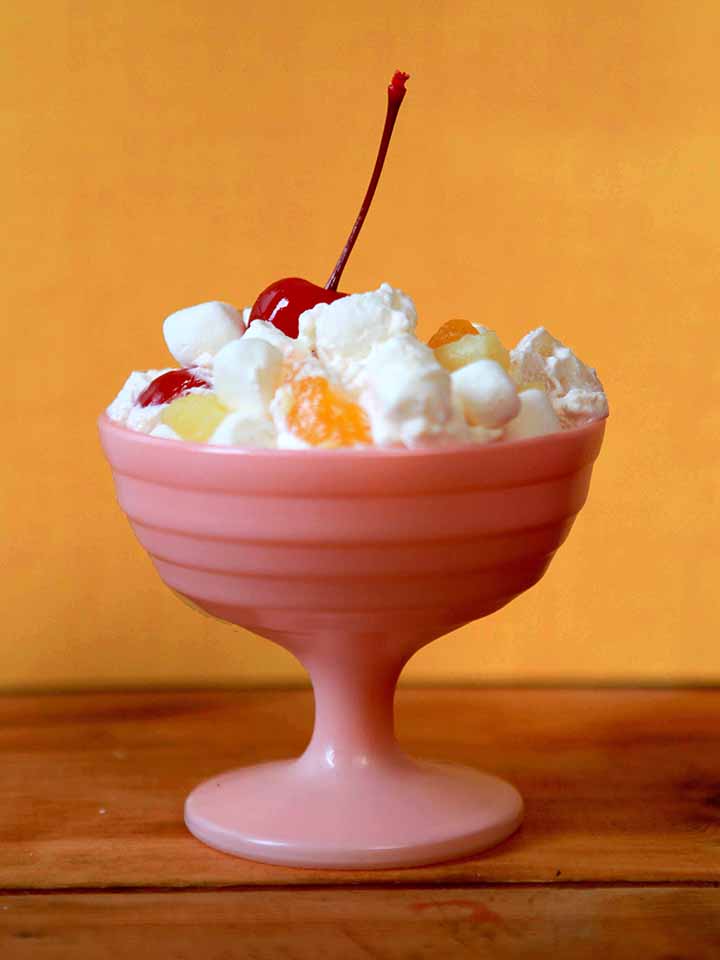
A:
(554, 162)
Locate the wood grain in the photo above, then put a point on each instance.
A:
(620, 785)
(337, 924)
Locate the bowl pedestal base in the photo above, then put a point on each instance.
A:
(353, 799)
(409, 814)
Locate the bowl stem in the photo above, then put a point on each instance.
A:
(354, 681)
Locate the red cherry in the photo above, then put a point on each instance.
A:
(283, 301)
(168, 386)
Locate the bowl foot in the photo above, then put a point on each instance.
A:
(403, 814)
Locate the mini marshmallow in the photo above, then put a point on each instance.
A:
(195, 334)
(407, 394)
(247, 373)
(242, 429)
(536, 417)
(487, 393)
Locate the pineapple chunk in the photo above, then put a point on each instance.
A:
(481, 345)
(194, 416)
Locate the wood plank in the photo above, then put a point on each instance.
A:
(519, 922)
(620, 785)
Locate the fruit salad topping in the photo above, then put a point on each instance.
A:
(310, 366)
(357, 375)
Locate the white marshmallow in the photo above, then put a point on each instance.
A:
(195, 334)
(407, 394)
(574, 390)
(344, 332)
(247, 373)
(487, 393)
(242, 429)
(536, 417)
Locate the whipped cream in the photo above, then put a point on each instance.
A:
(343, 333)
(379, 379)
(165, 432)
(265, 332)
(125, 409)
(574, 389)
(245, 429)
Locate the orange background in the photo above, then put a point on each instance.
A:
(554, 163)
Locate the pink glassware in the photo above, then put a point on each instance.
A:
(352, 560)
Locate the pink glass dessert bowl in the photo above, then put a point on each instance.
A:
(352, 560)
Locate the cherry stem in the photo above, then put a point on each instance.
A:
(396, 93)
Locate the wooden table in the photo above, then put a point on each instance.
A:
(619, 855)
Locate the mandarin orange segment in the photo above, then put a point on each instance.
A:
(323, 417)
(449, 332)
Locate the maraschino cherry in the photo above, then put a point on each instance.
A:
(171, 385)
(283, 301)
